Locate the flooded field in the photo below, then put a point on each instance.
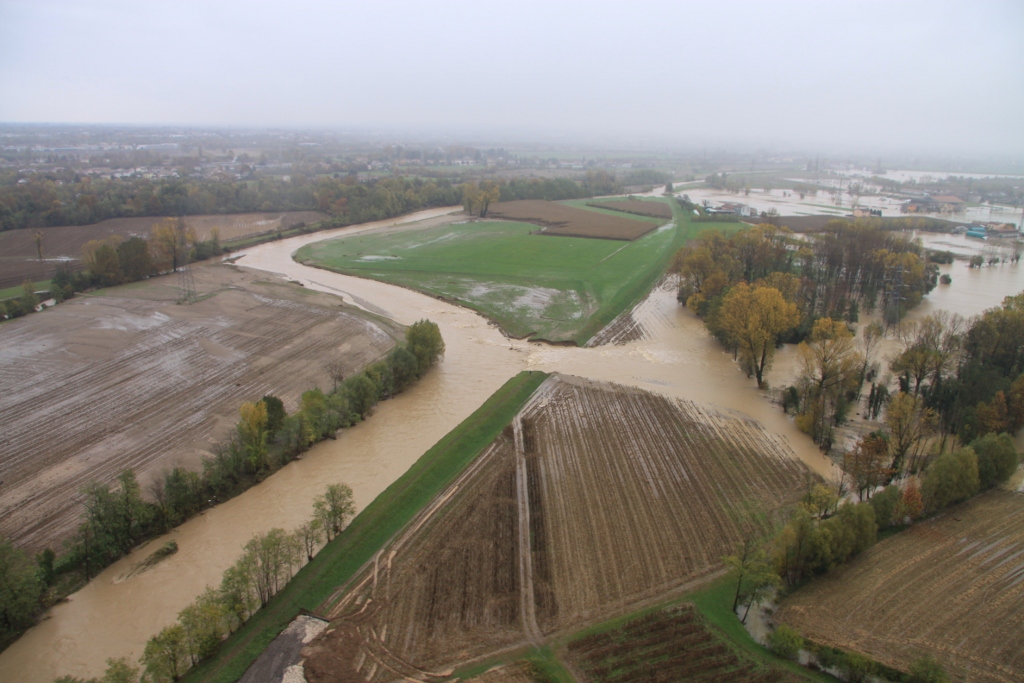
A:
(673, 356)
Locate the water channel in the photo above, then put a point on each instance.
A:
(114, 616)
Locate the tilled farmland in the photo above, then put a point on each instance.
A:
(131, 379)
(673, 645)
(63, 244)
(638, 207)
(633, 494)
(569, 221)
(951, 587)
(597, 499)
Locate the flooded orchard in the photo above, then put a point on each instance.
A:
(114, 616)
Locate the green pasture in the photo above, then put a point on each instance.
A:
(15, 292)
(539, 286)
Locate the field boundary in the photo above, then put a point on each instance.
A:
(373, 528)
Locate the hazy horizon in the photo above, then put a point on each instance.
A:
(853, 77)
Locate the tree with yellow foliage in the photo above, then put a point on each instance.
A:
(753, 318)
(830, 371)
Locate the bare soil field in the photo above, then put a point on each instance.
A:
(19, 259)
(673, 645)
(559, 219)
(448, 589)
(517, 672)
(596, 498)
(951, 587)
(638, 207)
(634, 495)
(128, 378)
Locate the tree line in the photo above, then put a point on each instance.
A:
(41, 202)
(268, 562)
(116, 518)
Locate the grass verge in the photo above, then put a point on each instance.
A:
(14, 292)
(370, 530)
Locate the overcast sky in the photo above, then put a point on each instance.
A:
(863, 76)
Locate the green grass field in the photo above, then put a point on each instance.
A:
(544, 287)
(15, 292)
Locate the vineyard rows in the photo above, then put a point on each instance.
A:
(668, 646)
(596, 498)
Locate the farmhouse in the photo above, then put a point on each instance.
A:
(733, 209)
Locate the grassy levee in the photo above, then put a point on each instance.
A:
(370, 530)
(715, 603)
(627, 297)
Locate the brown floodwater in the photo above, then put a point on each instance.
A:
(114, 616)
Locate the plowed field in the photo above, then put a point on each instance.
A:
(952, 587)
(634, 494)
(594, 500)
(569, 221)
(131, 379)
(674, 645)
(19, 259)
(448, 589)
(638, 207)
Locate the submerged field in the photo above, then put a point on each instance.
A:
(595, 501)
(128, 378)
(951, 587)
(551, 288)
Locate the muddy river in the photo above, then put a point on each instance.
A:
(114, 616)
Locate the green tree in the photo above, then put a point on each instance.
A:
(927, 670)
(20, 588)
(120, 670)
(204, 624)
(134, 259)
(785, 642)
(997, 459)
(951, 478)
(275, 414)
(311, 535)
(165, 657)
(334, 508)
(423, 339)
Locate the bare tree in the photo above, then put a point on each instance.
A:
(336, 371)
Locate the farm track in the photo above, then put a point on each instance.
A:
(596, 500)
(101, 384)
(951, 587)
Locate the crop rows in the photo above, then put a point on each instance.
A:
(569, 221)
(952, 588)
(671, 645)
(633, 493)
(105, 383)
(448, 587)
(638, 207)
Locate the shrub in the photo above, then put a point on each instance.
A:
(927, 670)
(997, 459)
(785, 642)
(951, 478)
(884, 503)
